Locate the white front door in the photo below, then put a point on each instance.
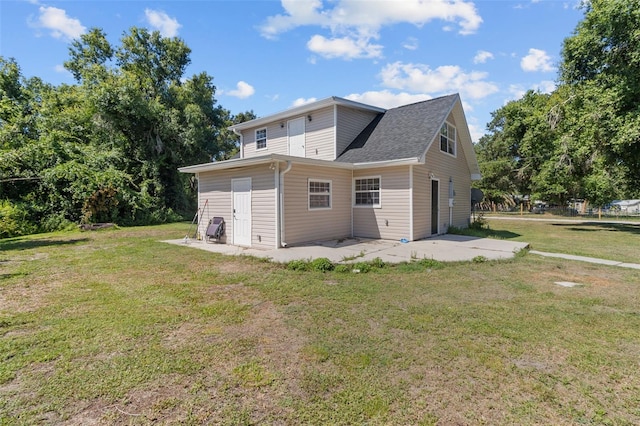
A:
(241, 211)
(296, 137)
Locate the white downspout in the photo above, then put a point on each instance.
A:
(241, 142)
(352, 202)
(276, 182)
(411, 202)
(451, 201)
(284, 172)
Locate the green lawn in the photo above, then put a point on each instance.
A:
(114, 327)
(593, 238)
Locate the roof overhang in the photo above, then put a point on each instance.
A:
(265, 159)
(388, 163)
(304, 109)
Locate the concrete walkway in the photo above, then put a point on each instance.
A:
(445, 248)
(587, 259)
(587, 221)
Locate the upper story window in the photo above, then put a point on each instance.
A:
(367, 191)
(261, 138)
(448, 139)
(319, 194)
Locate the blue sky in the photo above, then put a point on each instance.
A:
(269, 55)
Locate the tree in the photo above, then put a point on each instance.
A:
(582, 140)
(157, 118)
(109, 147)
(600, 63)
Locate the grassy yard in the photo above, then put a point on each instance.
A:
(114, 327)
(612, 241)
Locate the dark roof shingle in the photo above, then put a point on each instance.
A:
(398, 133)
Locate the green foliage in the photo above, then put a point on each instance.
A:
(108, 149)
(479, 223)
(377, 263)
(343, 267)
(582, 140)
(430, 263)
(298, 265)
(362, 267)
(13, 220)
(322, 264)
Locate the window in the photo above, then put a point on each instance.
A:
(261, 139)
(319, 194)
(448, 139)
(367, 191)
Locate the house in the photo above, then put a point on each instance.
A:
(627, 206)
(336, 168)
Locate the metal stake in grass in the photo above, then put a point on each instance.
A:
(198, 215)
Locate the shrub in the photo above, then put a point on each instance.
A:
(322, 264)
(377, 263)
(298, 265)
(342, 268)
(14, 220)
(363, 267)
(479, 259)
(480, 223)
(430, 263)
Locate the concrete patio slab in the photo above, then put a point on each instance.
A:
(445, 248)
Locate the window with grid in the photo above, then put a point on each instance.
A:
(319, 194)
(367, 191)
(261, 139)
(448, 139)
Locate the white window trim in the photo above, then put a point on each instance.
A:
(265, 138)
(309, 180)
(353, 193)
(455, 140)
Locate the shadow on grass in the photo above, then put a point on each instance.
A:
(499, 234)
(25, 244)
(595, 227)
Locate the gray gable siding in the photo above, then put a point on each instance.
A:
(399, 133)
(350, 123)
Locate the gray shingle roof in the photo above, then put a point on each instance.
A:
(398, 133)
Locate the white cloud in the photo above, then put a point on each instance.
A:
(476, 131)
(420, 78)
(411, 43)
(303, 101)
(369, 17)
(482, 56)
(387, 99)
(545, 86)
(243, 90)
(344, 47)
(355, 22)
(60, 25)
(516, 91)
(537, 60)
(162, 22)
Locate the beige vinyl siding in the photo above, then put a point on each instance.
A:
(350, 123)
(276, 140)
(391, 220)
(445, 166)
(304, 225)
(421, 202)
(216, 187)
(320, 134)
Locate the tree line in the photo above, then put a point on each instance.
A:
(582, 141)
(107, 148)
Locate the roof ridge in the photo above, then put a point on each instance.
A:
(427, 100)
